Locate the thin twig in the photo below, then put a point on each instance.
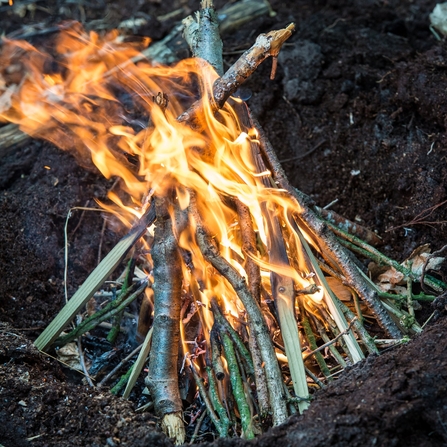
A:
(331, 342)
(119, 366)
(198, 425)
(82, 362)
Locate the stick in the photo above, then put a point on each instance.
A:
(266, 45)
(82, 362)
(119, 366)
(202, 36)
(330, 343)
(256, 322)
(112, 309)
(162, 378)
(215, 399)
(116, 324)
(312, 342)
(207, 401)
(349, 227)
(326, 239)
(237, 385)
(198, 425)
(222, 321)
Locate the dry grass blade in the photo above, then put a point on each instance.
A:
(94, 281)
(139, 363)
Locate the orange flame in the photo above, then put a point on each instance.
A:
(90, 97)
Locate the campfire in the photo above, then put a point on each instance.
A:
(251, 295)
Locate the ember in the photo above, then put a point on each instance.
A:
(231, 257)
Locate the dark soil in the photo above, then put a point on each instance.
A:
(357, 112)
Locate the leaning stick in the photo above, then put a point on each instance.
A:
(254, 285)
(266, 45)
(202, 35)
(256, 321)
(327, 240)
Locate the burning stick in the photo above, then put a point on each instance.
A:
(327, 241)
(256, 322)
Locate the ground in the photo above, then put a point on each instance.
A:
(356, 112)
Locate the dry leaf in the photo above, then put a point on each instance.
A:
(390, 279)
(342, 292)
(69, 354)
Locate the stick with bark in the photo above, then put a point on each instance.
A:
(258, 327)
(162, 378)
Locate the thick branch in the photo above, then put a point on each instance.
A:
(163, 378)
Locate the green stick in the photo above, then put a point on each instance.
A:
(237, 385)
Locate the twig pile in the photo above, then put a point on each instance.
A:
(233, 284)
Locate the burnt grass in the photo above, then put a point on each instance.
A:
(357, 112)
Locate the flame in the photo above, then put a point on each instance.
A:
(90, 97)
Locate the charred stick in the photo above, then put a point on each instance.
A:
(327, 240)
(256, 322)
(162, 378)
(237, 385)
